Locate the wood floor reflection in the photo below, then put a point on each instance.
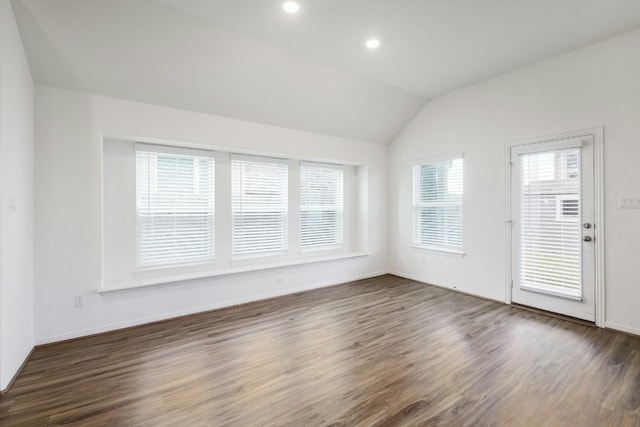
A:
(379, 352)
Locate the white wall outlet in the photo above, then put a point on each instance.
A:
(280, 280)
(628, 203)
(13, 206)
(78, 301)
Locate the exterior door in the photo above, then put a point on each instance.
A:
(552, 211)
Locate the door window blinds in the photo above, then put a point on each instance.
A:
(259, 205)
(437, 207)
(174, 208)
(550, 233)
(321, 207)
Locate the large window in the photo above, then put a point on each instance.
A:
(321, 207)
(180, 212)
(259, 205)
(174, 208)
(437, 204)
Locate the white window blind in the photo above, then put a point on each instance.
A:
(437, 207)
(321, 207)
(259, 205)
(174, 208)
(550, 240)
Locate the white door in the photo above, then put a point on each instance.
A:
(552, 210)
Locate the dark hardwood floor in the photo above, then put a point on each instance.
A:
(378, 352)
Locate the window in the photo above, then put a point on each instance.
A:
(550, 205)
(174, 208)
(437, 205)
(259, 206)
(321, 207)
(162, 223)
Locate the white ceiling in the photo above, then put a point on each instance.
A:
(249, 60)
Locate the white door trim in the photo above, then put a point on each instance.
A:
(598, 153)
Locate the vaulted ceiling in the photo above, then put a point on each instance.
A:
(249, 60)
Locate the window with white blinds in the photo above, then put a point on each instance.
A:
(551, 236)
(259, 206)
(175, 208)
(437, 204)
(321, 207)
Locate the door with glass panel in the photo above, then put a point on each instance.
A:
(552, 211)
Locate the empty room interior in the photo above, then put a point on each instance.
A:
(319, 213)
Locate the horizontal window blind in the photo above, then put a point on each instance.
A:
(174, 209)
(259, 205)
(438, 190)
(321, 207)
(551, 235)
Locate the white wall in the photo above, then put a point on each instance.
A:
(16, 189)
(598, 85)
(68, 212)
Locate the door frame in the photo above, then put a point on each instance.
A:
(598, 176)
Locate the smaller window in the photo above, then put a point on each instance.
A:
(174, 208)
(321, 207)
(437, 204)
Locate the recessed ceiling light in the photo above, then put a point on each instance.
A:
(291, 7)
(373, 43)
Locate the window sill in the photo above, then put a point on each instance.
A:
(450, 252)
(171, 278)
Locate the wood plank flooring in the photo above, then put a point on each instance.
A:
(378, 352)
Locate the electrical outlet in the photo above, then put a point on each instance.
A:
(78, 301)
(628, 203)
(279, 280)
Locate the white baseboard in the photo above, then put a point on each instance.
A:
(179, 313)
(622, 328)
(462, 289)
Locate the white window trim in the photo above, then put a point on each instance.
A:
(321, 165)
(438, 159)
(441, 251)
(168, 149)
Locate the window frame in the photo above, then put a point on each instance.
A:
(119, 224)
(339, 209)
(173, 151)
(416, 205)
(284, 250)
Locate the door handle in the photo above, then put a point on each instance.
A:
(587, 238)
